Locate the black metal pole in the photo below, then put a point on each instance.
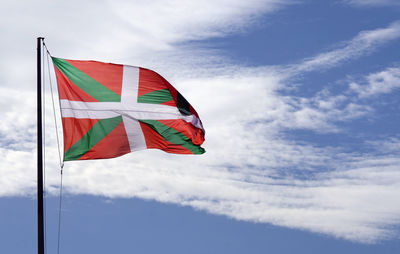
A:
(40, 217)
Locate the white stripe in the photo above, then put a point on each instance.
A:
(82, 114)
(118, 106)
(134, 133)
(137, 111)
(130, 85)
(130, 90)
(97, 110)
(133, 114)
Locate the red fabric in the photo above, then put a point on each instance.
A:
(113, 145)
(195, 134)
(154, 140)
(169, 103)
(70, 91)
(107, 74)
(75, 129)
(150, 81)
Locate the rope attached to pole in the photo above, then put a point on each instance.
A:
(61, 160)
(54, 108)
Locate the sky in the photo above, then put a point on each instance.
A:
(299, 100)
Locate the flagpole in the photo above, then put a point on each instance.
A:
(40, 216)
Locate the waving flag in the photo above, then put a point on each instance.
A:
(109, 110)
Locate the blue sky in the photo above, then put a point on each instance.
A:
(299, 100)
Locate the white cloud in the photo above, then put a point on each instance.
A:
(388, 146)
(373, 3)
(177, 21)
(17, 171)
(18, 123)
(365, 42)
(382, 82)
(319, 113)
(251, 170)
(336, 203)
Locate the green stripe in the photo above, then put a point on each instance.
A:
(85, 82)
(156, 97)
(99, 131)
(173, 136)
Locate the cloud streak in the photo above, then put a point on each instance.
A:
(373, 3)
(364, 43)
(382, 82)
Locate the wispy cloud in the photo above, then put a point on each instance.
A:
(382, 82)
(364, 43)
(175, 21)
(373, 3)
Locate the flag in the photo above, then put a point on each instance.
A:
(109, 110)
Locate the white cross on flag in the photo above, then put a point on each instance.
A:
(109, 110)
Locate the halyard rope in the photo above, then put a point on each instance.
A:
(59, 153)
